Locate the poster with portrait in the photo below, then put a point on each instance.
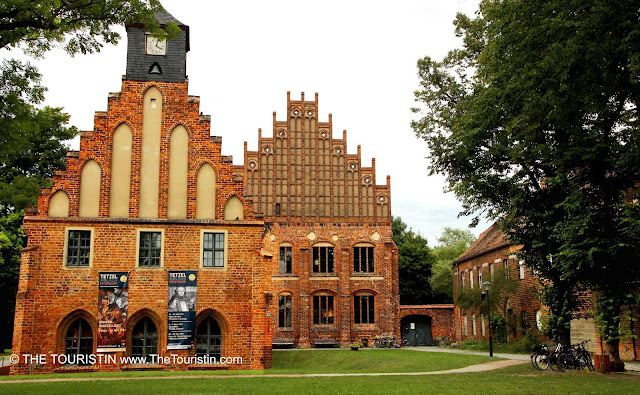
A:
(182, 309)
(113, 301)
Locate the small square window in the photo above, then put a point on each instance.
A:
(213, 249)
(78, 248)
(150, 249)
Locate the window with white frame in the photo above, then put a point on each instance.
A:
(521, 266)
(506, 268)
(213, 248)
(473, 324)
(463, 280)
(465, 326)
(471, 278)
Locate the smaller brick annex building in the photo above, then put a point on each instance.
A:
(490, 251)
(493, 249)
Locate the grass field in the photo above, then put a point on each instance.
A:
(521, 379)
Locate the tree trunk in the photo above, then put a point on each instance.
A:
(564, 337)
(612, 348)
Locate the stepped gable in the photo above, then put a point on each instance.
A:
(126, 108)
(303, 173)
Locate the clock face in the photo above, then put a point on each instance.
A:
(156, 46)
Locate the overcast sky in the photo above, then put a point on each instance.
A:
(360, 56)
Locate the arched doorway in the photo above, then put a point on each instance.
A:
(416, 330)
(209, 339)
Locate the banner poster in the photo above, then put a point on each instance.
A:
(113, 301)
(182, 309)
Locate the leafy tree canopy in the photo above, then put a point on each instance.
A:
(31, 142)
(415, 261)
(75, 25)
(535, 121)
(452, 243)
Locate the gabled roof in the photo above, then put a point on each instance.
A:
(163, 17)
(490, 240)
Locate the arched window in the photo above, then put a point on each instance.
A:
(284, 310)
(323, 258)
(79, 342)
(209, 339)
(323, 309)
(363, 258)
(286, 253)
(144, 340)
(364, 308)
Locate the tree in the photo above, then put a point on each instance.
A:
(534, 121)
(31, 145)
(414, 264)
(76, 25)
(452, 243)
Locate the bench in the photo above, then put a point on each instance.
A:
(325, 342)
(283, 343)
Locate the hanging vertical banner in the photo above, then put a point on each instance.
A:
(182, 309)
(113, 301)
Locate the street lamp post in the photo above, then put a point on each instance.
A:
(486, 285)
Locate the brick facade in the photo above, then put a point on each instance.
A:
(311, 192)
(493, 249)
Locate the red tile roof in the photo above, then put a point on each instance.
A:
(489, 240)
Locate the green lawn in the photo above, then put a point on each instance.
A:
(515, 380)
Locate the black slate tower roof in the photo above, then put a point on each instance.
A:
(170, 67)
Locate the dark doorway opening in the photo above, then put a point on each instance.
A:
(416, 330)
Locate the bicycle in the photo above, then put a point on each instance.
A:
(576, 357)
(540, 357)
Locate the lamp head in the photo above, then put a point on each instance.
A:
(486, 285)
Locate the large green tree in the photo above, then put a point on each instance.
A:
(78, 26)
(414, 264)
(451, 244)
(535, 121)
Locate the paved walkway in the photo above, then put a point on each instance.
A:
(483, 367)
(632, 366)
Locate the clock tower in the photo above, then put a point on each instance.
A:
(151, 59)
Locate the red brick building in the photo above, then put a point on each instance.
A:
(293, 245)
(478, 264)
(493, 248)
(335, 268)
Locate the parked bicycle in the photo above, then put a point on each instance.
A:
(575, 357)
(562, 357)
(540, 357)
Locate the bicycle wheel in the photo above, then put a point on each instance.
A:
(541, 361)
(552, 361)
(566, 361)
(533, 361)
(588, 362)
